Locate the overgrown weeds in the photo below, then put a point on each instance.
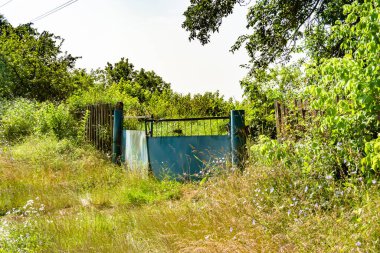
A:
(82, 203)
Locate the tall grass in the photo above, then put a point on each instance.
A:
(58, 197)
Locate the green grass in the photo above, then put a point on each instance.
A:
(82, 203)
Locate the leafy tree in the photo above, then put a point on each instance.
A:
(120, 70)
(80, 79)
(32, 64)
(173, 104)
(275, 26)
(211, 104)
(151, 81)
(140, 84)
(353, 120)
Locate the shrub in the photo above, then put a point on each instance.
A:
(18, 119)
(21, 117)
(56, 120)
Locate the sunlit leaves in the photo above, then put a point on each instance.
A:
(33, 65)
(348, 91)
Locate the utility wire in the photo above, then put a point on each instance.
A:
(5, 3)
(53, 11)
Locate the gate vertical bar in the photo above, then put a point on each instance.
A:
(117, 133)
(238, 138)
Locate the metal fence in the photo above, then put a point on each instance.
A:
(206, 126)
(99, 126)
(293, 117)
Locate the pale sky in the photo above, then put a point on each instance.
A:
(149, 33)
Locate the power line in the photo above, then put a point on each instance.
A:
(53, 11)
(5, 3)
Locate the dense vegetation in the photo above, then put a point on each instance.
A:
(315, 189)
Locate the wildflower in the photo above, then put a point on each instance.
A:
(207, 237)
(306, 188)
(271, 190)
(374, 181)
(358, 244)
(328, 177)
(28, 203)
(360, 179)
(289, 212)
(231, 229)
(253, 222)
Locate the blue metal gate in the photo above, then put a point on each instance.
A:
(183, 149)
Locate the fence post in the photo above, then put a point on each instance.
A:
(117, 133)
(238, 138)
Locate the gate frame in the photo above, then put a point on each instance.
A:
(237, 134)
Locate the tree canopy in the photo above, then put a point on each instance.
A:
(274, 26)
(32, 64)
(137, 83)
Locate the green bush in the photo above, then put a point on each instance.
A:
(371, 163)
(21, 117)
(18, 119)
(56, 120)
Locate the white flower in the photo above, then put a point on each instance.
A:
(271, 190)
(29, 203)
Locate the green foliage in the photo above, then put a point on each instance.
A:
(339, 140)
(371, 162)
(81, 80)
(354, 81)
(32, 64)
(172, 104)
(151, 81)
(105, 94)
(275, 26)
(263, 88)
(21, 117)
(18, 119)
(122, 70)
(138, 84)
(57, 120)
(23, 236)
(163, 104)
